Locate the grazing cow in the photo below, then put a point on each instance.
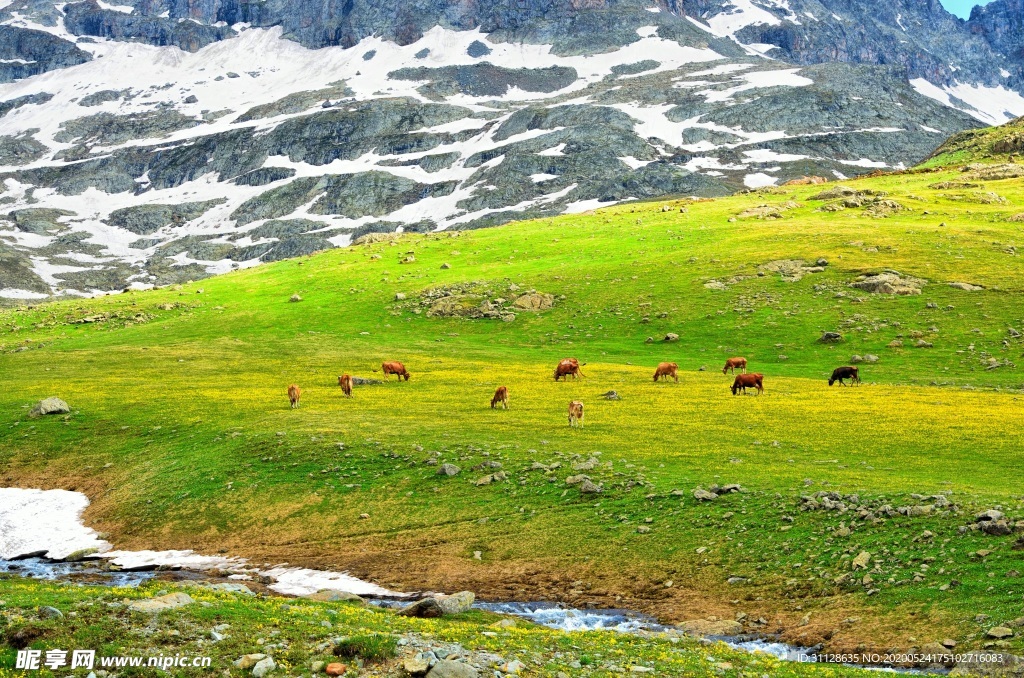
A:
(396, 368)
(841, 373)
(576, 414)
(744, 381)
(567, 367)
(500, 396)
(294, 393)
(345, 382)
(666, 370)
(733, 364)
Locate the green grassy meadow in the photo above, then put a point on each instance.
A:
(183, 438)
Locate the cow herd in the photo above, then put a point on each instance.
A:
(570, 367)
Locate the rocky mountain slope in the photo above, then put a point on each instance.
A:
(159, 141)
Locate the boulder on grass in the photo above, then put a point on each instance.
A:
(49, 406)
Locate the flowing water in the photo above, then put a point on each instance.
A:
(40, 529)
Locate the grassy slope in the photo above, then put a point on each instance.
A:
(302, 632)
(182, 435)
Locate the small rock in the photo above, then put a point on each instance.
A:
(513, 667)
(862, 561)
(999, 632)
(427, 608)
(997, 528)
(671, 336)
(445, 266)
(417, 666)
(47, 612)
(331, 596)
(248, 661)
(295, 298)
(264, 667)
(161, 603)
(712, 627)
(830, 337)
(701, 494)
(448, 470)
(446, 668)
(588, 487)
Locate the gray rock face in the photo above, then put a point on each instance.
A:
(1002, 25)
(486, 79)
(325, 160)
(89, 18)
(29, 99)
(148, 219)
(25, 52)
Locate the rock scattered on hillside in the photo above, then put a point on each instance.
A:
(448, 470)
(966, 287)
(768, 211)
(889, 282)
(791, 270)
(49, 406)
(982, 172)
(479, 300)
(161, 603)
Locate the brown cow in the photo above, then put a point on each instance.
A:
(733, 363)
(745, 381)
(576, 414)
(841, 373)
(666, 370)
(500, 396)
(345, 382)
(396, 368)
(567, 367)
(294, 393)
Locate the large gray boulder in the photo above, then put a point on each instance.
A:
(49, 406)
(446, 668)
(456, 603)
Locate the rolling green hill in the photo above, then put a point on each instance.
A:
(183, 438)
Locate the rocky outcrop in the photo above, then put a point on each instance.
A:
(486, 79)
(17, 102)
(90, 18)
(148, 219)
(25, 52)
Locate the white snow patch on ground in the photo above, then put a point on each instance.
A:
(538, 178)
(300, 581)
(186, 559)
(864, 162)
(553, 152)
(992, 105)
(758, 80)
(49, 521)
(124, 9)
(633, 163)
(758, 180)
(768, 155)
(581, 206)
(13, 293)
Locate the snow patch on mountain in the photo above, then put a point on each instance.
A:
(991, 105)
